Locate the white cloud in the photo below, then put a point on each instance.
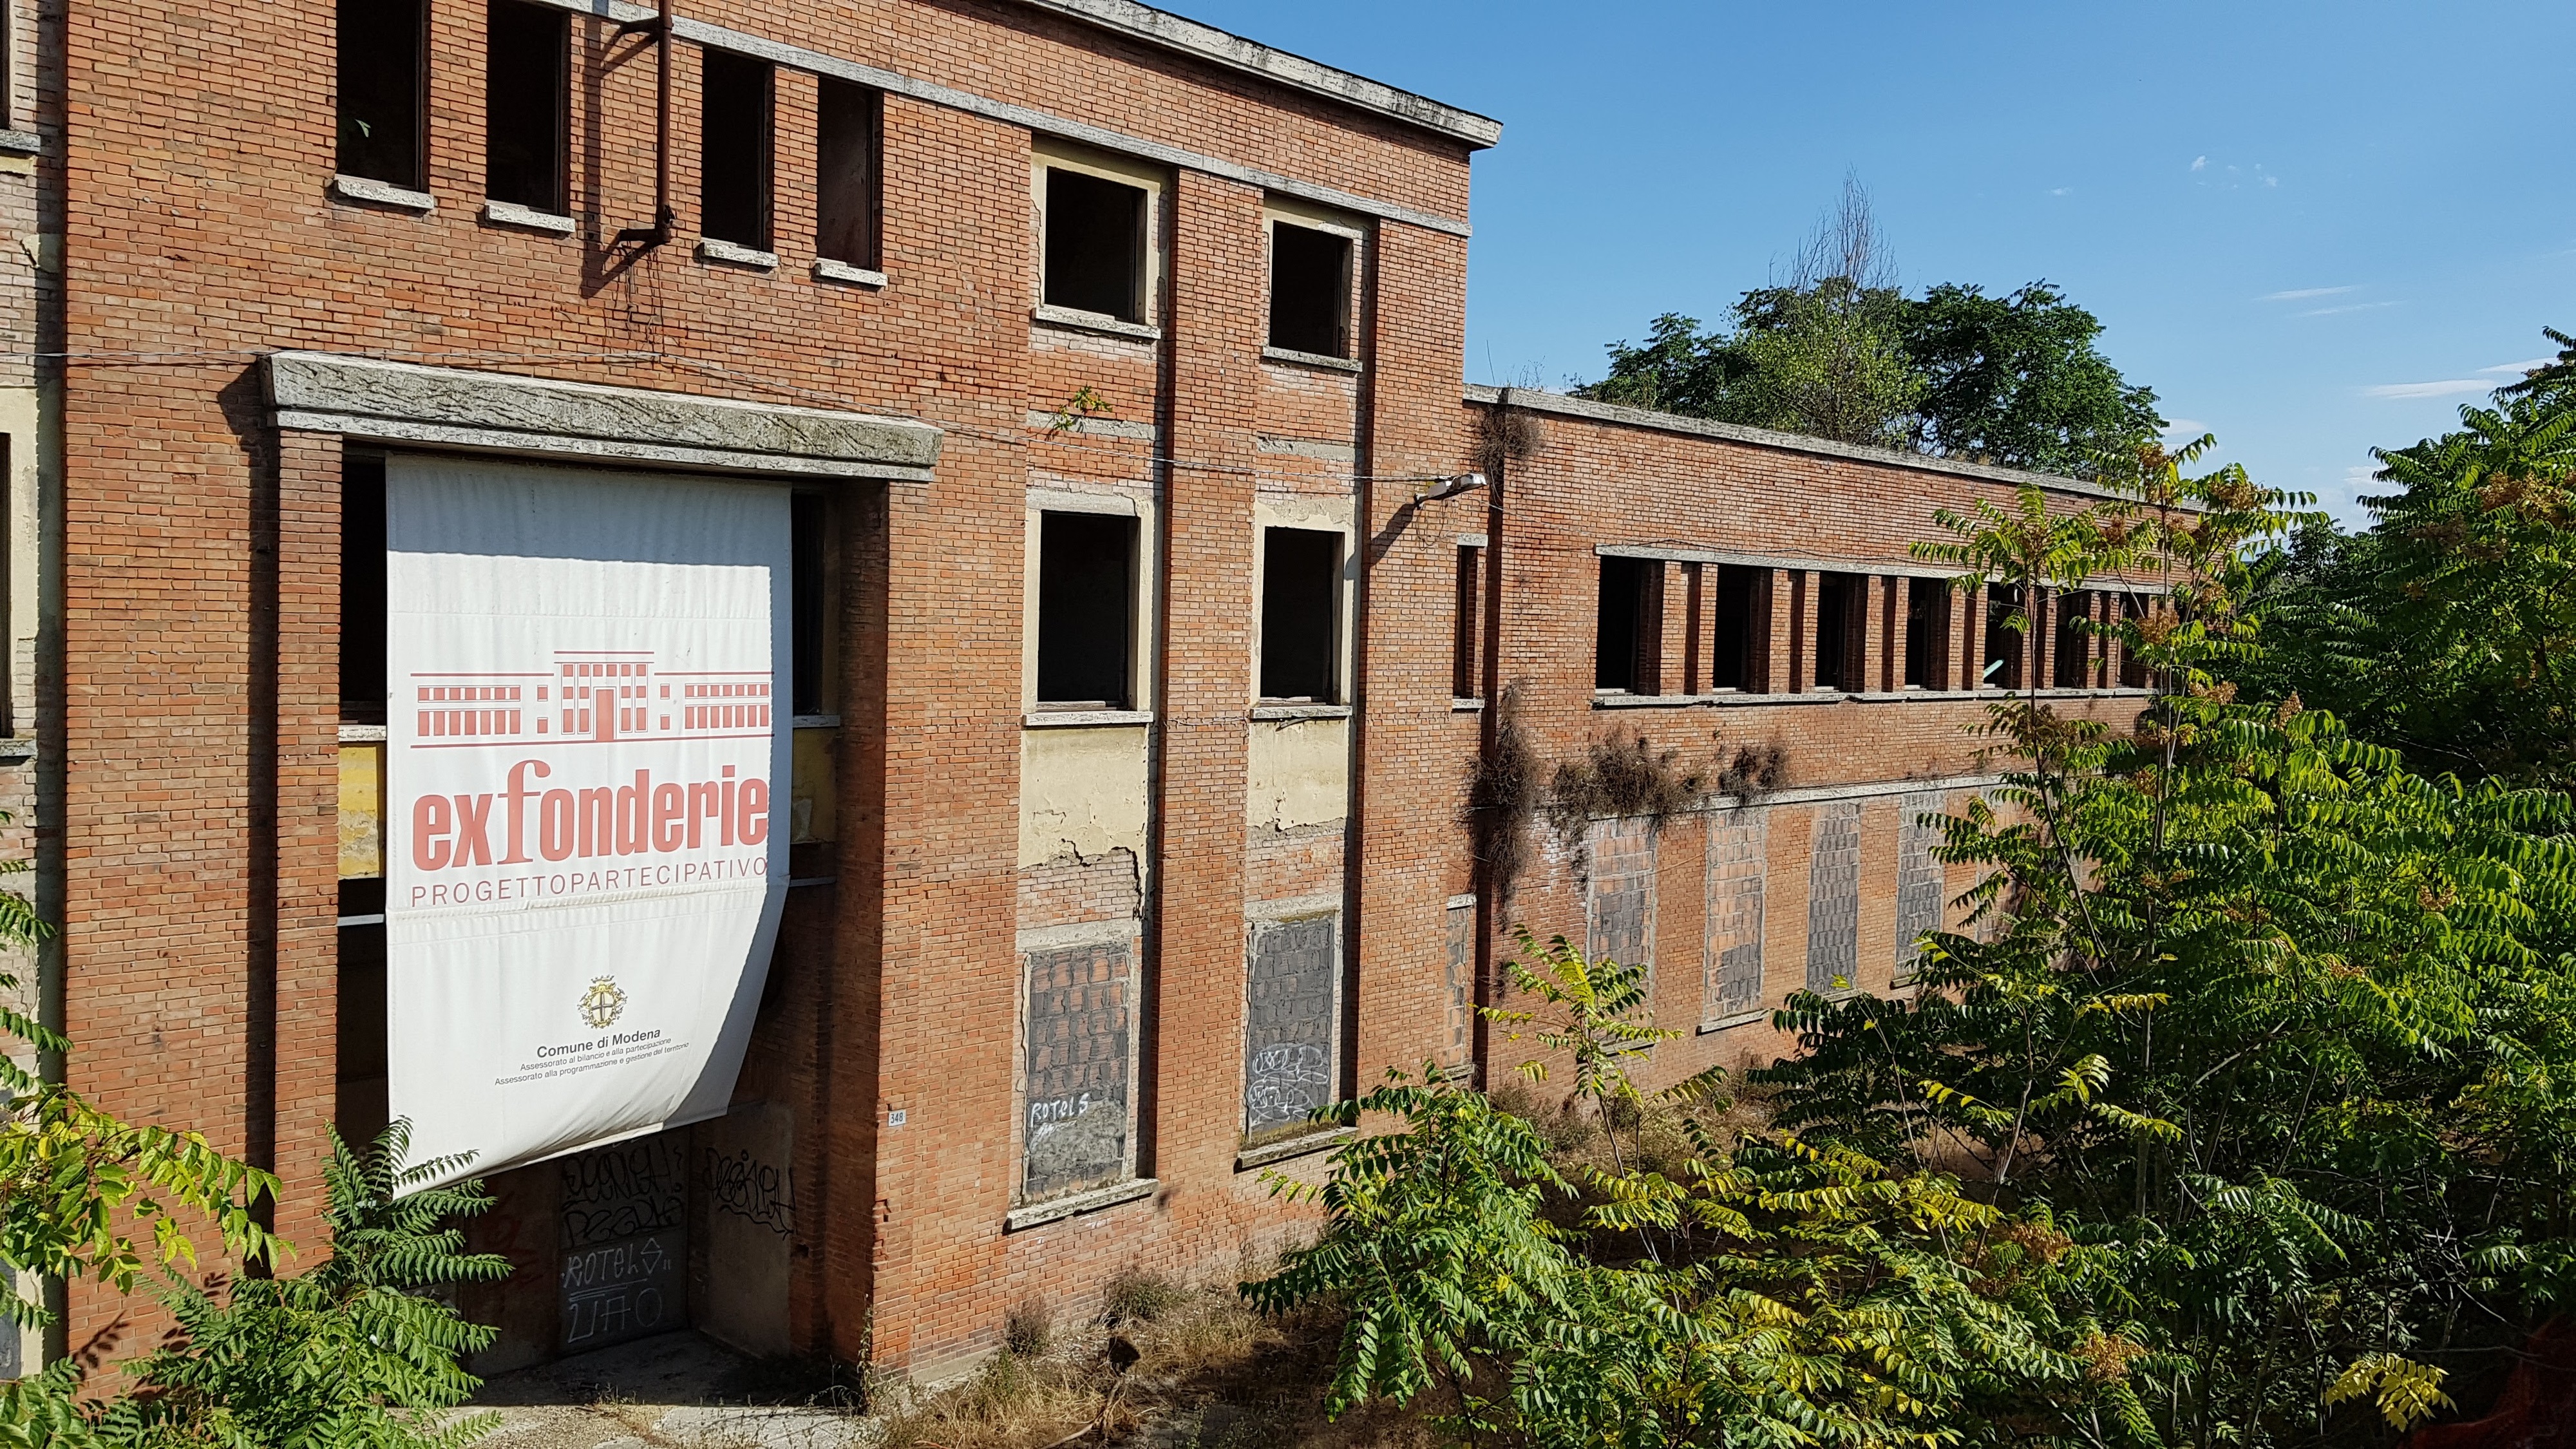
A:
(2185, 427)
(2517, 369)
(2061, 191)
(2199, 163)
(2452, 387)
(2271, 180)
(2301, 294)
(2354, 307)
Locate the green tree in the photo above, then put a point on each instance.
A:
(2017, 380)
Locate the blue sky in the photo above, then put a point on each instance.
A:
(2311, 228)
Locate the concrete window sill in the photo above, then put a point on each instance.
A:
(20, 143)
(828, 270)
(1307, 1145)
(1736, 1019)
(362, 734)
(814, 722)
(1100, 322)
(1312, 359)
(1648, 701)
(381, 193)
(1040, 1214)
(17, 749)
(735, 254)
(1465, 706)
(1270, 712)
(528, 218)
(1067, 719)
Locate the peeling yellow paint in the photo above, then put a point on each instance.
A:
(1082, 792)
(362, 810)
(1300, 772)
(810, 793)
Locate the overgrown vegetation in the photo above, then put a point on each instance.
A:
(1837, 350)
(2236, 1114)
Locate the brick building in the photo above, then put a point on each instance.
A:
(1135, 688)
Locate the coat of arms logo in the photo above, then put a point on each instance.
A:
(602, 1003)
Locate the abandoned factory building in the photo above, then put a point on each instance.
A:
(849, 640)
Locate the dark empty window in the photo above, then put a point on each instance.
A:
(2004, 649)
(1840, 604)
(1086, 595)
(362, 588)
(1467, 657)
(1736, 660)
(806, 599)
(380, 90)
(1927, 625)
(1301, 571)
(1310, 290)
(1095, 245)
(846, 151)
(1630, 631)
(2133, 670)
(2073, 650)
(525, 100)
(733, 151)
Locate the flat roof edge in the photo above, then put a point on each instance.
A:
(1234, 52)
(1563, 405)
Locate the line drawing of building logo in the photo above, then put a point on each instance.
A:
(599, 695)
(603, 1003)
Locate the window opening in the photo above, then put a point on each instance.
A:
(733, 150)
(1467, 656)
(1095, 245)
(1733, 613)
(381, 43)
(2004, 649)
(362, 588)
(1631, 617)
(1839, 624)
(848, 127)
(807, 555)
(2072, 654)
(1310, 290)
(1301, 572)
(1086, 603)
(1927, 623)
(2133, 670)
(526, 97)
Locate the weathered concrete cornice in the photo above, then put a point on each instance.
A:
(1563, 405)
(1234, 52)
(365, 397)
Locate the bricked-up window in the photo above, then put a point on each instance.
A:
(1841, 602)
(1736, 657)
(1833, 899)
(1736, 866)
(808, 618)
(1631, 626)
(1292, 1017)
(733, 150)
(527, 97)
(2004, 649)
(381, 81)
(2073, 650)
(1086, 609)
(1095, 245)
(1467, 652)
(362, 588)
(1079, 1067)
(1310, 290)
(1927, 632)
(848, 147)
(1301, 575)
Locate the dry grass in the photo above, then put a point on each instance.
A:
(1209, 1373)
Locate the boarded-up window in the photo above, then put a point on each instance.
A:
(1290, 1023)
(1619, 913)
(1080, 1056)
(1461, 983)
(1920, 882)
(1738, 844)
(1833, 899)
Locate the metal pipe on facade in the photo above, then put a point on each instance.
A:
(1489, 669)
(664, 217)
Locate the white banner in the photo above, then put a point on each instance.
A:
(587, 749)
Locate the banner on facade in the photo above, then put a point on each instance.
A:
(586, 755)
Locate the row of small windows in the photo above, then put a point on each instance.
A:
(1098, 233)
(1087, 613)
(1829, 638)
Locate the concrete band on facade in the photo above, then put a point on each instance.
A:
(718, 37)
(404, 402)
